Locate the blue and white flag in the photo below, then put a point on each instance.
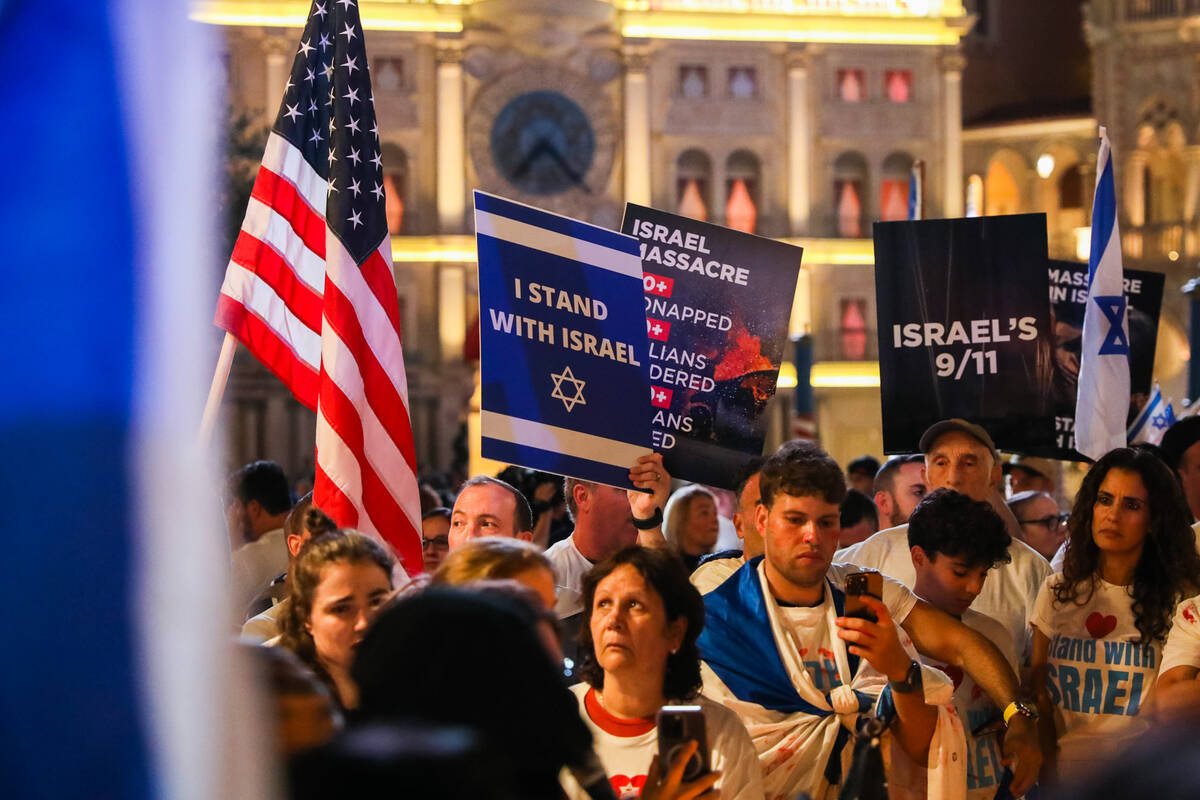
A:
(564, 375)
(916, 193)
(117, 675)
(1156, 416)
(1102, 403)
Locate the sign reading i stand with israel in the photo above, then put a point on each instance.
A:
(1103, 400)
(717, 307)
(565, 373)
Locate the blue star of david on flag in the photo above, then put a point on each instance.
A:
(1115, 343)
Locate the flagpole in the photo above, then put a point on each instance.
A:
(217, 390)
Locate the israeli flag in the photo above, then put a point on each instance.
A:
(117, 678)
(1103, 400)
(1156, 416)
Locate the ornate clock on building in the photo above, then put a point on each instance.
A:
(545, 136)
(543, 143)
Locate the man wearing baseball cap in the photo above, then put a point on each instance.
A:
(1030, 474)
(961, 455)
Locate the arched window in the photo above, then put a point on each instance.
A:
(742, 191)
(1070, 188)
(849, 193)
(395, 186)
(1002, 194)
(893, 186)
(852, 85)
(693, 184)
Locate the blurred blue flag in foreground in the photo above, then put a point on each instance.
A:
(117, 678)
(1102, 403)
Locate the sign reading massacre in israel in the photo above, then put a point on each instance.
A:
(565, 372)
(964, 328)
(717, 307)
(1068, 298)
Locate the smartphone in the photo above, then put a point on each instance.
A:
(859, 584)
(678, 725)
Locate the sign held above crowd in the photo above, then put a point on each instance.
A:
(563, 350)
(717, 307)
(964, 328)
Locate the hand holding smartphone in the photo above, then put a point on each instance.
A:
(678, 725)
(859, 584)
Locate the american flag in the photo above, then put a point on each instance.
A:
(309, 288)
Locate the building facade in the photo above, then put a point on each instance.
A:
(794, 119)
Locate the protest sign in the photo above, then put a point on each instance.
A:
(717, 307)
(1068, 297)
(565, 372)
(964, 329)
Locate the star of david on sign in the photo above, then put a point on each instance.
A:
(1115, 343)
(575, 398)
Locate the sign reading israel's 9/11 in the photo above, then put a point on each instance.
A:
(717, 306)
(563, 348)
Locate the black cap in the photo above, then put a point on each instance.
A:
(1178, 438)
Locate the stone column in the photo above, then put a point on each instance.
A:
(799, 142)
(451, 138)
(952, 65)
(637, 125)
(1191, 196)
(279, 55)
(1135, 188)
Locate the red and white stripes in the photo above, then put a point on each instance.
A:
(330, 329)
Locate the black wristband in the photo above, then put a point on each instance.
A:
(652, 522)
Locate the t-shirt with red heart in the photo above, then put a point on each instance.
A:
(626, 747)
(1099, 678)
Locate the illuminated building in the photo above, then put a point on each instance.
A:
(800, 119)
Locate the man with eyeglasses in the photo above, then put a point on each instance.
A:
(435, 537)
(1043, 524)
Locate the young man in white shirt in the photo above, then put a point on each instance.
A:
(954, 541)
(779, 651)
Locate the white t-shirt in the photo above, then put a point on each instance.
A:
(569, 568)
(1008, 593)
(1183, 642)
(810, 635)
(1098, 678)
(713, 573)
(254, 565)
(626, 747)
(976, 710)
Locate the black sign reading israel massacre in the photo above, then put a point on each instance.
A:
(964, 328)
(717, 308)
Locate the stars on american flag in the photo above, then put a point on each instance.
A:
(328, 114)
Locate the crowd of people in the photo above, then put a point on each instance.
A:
(944, 624)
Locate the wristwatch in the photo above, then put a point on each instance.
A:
(652, 522)
(1027, 710)
(912, 680)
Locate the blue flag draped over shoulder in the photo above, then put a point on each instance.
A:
(1102, 402)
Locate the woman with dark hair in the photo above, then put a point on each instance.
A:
(1099, 625)
(638, 653)
(341, 580)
